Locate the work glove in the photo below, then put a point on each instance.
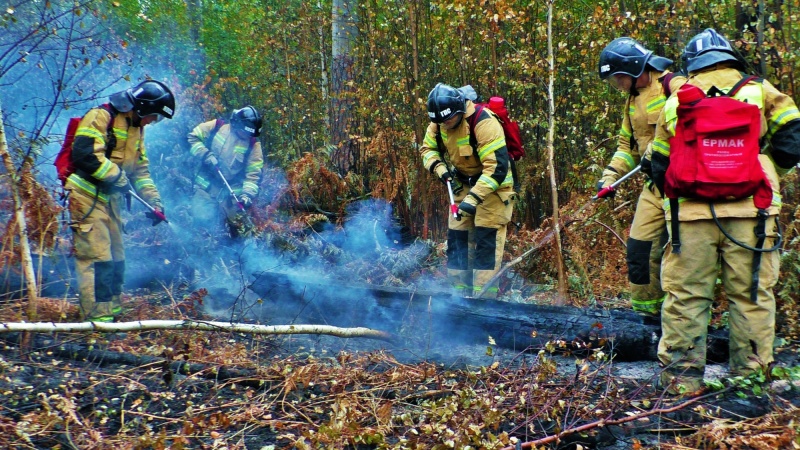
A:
(157, 216)
(443, 173)
(211, 161)
(660, 164)
(647, 167)
(603, 183)
(121, 184)
(246, 201)
(468, 206)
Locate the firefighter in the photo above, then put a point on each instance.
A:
(710, 249)
(483, 186)
(634, 70)
(227, 152)
(108, 161)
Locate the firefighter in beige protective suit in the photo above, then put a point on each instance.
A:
(719, 237)
(230, 159)
(632, 69)
(109, 161)
(482, 184)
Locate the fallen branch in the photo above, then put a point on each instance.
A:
(566, 221)
(610, 230)
(144, 325)
(606, 422)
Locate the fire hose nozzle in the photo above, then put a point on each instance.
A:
(603, 192)
(153, 210)
(238, 202)
(453, 206)
(160, 215)
(230, 190)
(611, 188)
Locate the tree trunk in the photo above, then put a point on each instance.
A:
(344, 32)
(19, 218)
(561, 299)
(323, 61)
(419, 131)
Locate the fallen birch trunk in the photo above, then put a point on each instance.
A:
(146, 325)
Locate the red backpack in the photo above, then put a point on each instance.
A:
(496, 105)
(63, 162)
(510, 128)
(714, 153)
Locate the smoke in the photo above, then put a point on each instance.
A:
(352, 274)
(336, 276)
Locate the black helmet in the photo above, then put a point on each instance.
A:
(248, 120)
(627, 56)
(152, 97)
(706, 49)
(444, 102)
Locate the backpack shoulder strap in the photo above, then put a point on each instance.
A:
(111, 110)
(111, 138)
(717, 92)
(473, 121)
(217, 125)
(665, 80)
(253, 141)
(439, 140)
(746, 79)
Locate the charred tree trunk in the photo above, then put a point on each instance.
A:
(445, 317)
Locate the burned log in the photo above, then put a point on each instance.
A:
(446, 316)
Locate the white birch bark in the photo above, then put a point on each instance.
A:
(196, 325)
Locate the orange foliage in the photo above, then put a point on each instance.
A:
(313, 186)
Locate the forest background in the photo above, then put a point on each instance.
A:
(342, 88)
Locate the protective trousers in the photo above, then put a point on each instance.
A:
(646, 242)
(99, 255)
(689, 279)
(475, 245)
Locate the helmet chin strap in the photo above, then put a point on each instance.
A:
(635, 92)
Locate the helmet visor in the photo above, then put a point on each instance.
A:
(620, 82)
(156, 117)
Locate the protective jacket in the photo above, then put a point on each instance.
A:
(480, 161)
(240, 162)
(639, 118)
(715, 249)
(94, 170)
(780, 126)
(486, 167)
(648, 232)
(95, 209)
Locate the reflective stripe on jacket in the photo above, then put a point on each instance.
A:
(639, 119)
(241, 165)
(489, 161)
(129, 154)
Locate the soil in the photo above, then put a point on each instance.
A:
(223, 390)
